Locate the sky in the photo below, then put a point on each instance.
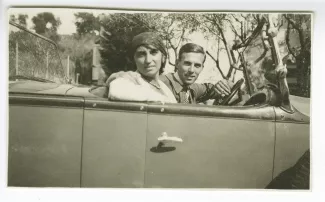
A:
(66, 16)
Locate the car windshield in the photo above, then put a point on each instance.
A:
(33, 57)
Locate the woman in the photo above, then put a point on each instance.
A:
(149, 56)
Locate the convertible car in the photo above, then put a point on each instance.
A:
(64, 135)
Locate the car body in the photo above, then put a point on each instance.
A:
(63, 135)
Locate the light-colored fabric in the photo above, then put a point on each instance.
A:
(123, 89)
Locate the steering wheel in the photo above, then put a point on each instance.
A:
(233, 92)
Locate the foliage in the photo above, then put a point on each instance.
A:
(299, 27)
(75, 46)
(247, 34)
(46, 24)
(117, 33)
(21, 19)
(237, 34)
(36, 57)
(86, 23)
(79, 50)
(118, 30)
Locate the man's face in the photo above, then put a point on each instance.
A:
(148, 60)
(189, 66)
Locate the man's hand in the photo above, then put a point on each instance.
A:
(223, 87)
(131, 76)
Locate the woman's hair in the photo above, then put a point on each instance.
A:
(146, 39)
(191, 48)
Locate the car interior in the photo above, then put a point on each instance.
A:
(268, 95)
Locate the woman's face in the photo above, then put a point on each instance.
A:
(148, 60)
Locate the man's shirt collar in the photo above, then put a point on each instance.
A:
(180, 82)
(178, 79)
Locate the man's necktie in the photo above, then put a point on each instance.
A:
(184, 95)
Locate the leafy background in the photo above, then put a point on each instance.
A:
(102, 41)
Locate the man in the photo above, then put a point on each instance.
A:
(182, 83)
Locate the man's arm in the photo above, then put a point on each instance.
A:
(204, 92)
(207, 91)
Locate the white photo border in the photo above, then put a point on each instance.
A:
(72, 194)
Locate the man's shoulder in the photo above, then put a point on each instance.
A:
(166, 77)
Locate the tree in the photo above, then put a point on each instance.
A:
(46, 24)
(80, 51)
(80, 46)
(120, 28)
(86, 23)
(213, 25)
(235, 34)
(299, 27)
(21, 19)
(35, 55)
(117, 32)
(243, 37)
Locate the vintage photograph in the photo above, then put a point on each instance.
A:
(102, 98)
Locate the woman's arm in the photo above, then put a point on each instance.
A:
(124, 90)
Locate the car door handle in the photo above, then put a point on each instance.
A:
(164, 138)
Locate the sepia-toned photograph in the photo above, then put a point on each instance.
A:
(103, 98)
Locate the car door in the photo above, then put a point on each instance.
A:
(114, 142)
(209, 146)
(293, 139)
(45, 138)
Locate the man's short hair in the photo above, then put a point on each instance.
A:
(191, 48)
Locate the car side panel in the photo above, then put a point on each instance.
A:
(44, 141)
(292, 139)
(216, 152)
(114, 144)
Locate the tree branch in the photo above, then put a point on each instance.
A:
(171, 44)
(248, 40)
(292, 22)
(288, 41)
(263, 54)
(181, 37)
(280, 25)
(171, 63)
(175, 52)
(229, 53)
(233, 15)
(243, 16)
(300, 32)
(212, 31)
(172, 22)
(217, 64)
(256, 18)
(234, 30)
